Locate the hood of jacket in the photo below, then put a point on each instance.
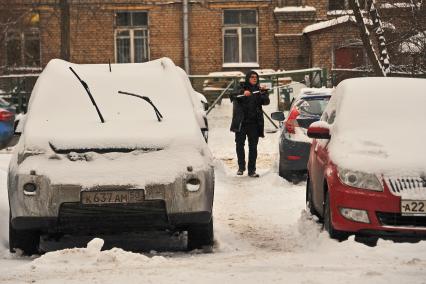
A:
(247, 81)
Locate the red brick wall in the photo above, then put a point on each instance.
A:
(50, 35)
(324, 41)
(92, 34)
(165, 32)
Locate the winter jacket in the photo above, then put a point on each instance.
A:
(248, 110)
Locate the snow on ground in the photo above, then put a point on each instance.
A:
(262, 235)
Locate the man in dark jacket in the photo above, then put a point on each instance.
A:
(247, 120)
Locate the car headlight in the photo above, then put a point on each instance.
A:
(360, 179)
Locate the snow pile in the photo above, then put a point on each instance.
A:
(379, 125)
(226, 74)
(294, 9)
(92, 258)
(399, 5)
(331, 23)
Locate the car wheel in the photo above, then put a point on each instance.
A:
(328, 225)
(309, 201)
(26, 240)
(200, 236)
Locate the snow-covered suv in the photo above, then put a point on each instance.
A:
(111, 149)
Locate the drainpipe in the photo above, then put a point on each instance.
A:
(65, 29)
(185, 36)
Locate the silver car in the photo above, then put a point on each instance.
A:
(111, 149)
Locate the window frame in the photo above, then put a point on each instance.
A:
(131, 30)
(239, 27)
(21, 37)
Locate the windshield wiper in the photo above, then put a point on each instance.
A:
(147, 99)
(86, 87)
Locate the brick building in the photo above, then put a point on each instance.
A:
(222, 35)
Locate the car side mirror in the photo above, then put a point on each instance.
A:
(278, 116)
(319, 130)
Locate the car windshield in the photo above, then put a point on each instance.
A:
(313, 106)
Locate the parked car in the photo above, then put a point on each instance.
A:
(199, 103)
(366, 169)
(127, 157)
(7, 125)
(294, 145)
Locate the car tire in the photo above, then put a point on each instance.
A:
(26, 240)
(200, 236)
(328, 225)
(309, 201)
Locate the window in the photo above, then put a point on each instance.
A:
(23, 44)
(131, 37)
(240, 36)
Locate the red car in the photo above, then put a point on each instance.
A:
(367, 163)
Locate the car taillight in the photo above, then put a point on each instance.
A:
(291, 122)
(6, 115)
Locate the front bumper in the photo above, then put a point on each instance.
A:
(383, 211)
(57, 208)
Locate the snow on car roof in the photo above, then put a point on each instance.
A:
(379, 125)
(311, 92)
(61, 112)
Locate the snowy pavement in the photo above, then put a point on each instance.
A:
(262, 235)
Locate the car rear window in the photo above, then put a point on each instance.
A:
(312, 106)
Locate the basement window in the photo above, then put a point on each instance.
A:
(240, 38)
(131, 37)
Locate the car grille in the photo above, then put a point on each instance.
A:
(396, 219)
(407, 185)
(112, 217)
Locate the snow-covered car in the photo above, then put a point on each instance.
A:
(367, 164)
(199, 103)
(294, 145)
(107, 152)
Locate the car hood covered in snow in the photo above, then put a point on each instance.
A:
(61, 119)
(379, 125)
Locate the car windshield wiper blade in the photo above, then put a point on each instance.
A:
(86, 87)
(147, 99)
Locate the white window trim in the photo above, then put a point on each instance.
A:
(132, 42)
(239, 28)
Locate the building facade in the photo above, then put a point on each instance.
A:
(222, 35)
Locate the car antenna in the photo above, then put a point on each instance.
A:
(147, 99)
(109, 63)
(86, 87)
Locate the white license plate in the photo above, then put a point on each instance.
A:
(413, 207)
(112, 197)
